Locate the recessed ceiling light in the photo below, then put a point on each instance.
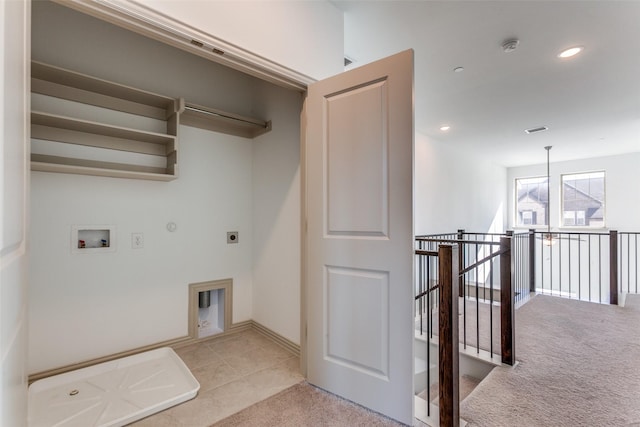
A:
(445, 128)
(572, 51)
(458, 69)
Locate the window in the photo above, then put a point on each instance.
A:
(532, 202)
(583, 196)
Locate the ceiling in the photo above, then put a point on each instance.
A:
(590, 103)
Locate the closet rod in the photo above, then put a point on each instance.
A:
(211, 113)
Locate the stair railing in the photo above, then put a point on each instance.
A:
(589, 266)
(447, 279)
(483, 285)
(628, 262)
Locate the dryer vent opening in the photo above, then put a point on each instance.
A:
(204, 299)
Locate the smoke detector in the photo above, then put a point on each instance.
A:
(510, 45)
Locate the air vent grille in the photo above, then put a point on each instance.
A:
(535, 130)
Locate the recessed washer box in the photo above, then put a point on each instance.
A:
(93, 238)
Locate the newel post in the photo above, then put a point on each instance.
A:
(507, 302)
(461, 249)
(449, 395)
(532, 260)
(613, 267)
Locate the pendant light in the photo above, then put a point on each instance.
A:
(548, 238)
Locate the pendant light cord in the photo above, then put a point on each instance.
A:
(548, 148)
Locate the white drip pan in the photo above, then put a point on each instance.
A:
(113, 393)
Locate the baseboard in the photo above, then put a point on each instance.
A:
(288, 345)
(176, 343)
(233, 329)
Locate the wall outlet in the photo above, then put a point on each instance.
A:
(137, 240)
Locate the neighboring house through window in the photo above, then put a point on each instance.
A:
(532, 202)
(583, 197)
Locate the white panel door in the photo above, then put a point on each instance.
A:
(359, 242)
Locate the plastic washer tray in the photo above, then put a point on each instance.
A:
(113, 393)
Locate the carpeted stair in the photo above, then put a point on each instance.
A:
(467, 385)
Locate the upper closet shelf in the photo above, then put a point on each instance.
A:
(65, 84)
(85, 125)
(222, 121)
(91, 126)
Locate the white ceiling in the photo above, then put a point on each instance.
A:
(590, 103)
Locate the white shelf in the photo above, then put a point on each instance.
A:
(61, 83)
(78, 111)
(85, 90)
(53, 127)
(222, 121)
(70, 165)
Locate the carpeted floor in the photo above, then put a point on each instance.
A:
(305, 405)
(579, 365)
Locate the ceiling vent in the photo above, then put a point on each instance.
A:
(535, 130)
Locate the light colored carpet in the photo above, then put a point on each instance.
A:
(305, 405)
(579, 365)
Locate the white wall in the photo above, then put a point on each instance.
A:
(306, 36)
(455, 190)
(89, 305)
(276, 218)
(622, 176)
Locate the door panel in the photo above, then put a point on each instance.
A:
(359, 242)
(357, 171)
(352, 339)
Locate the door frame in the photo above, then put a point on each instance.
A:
(142, 20)
(151, 24)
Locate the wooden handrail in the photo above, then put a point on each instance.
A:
(428, 291)
(479, 262)
(426, 253)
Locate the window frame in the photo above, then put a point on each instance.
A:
(576, 213)
(516, 219)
